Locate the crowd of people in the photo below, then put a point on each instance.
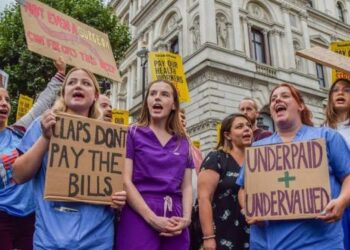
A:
(164, 173)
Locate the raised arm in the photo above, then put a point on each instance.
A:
(46, 97)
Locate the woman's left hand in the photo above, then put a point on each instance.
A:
(333, 211)
(180, 224)
(118, 200)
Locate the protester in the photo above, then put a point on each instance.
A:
(157, 176)
(106, 107)
(65, 225)
(249, 107)
(293, 122)
(338, 117)
(16, 201)
(223, 224)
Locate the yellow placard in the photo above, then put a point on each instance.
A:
(25, 103)
(120, 116)
(197, 144)
(342, 48)
(168, 66)
(218, 127)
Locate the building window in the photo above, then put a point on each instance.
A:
(174, 46)
(310, 4)
(340, 12)
(258, 45)
(320, 75)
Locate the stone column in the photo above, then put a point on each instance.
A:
(236, 27)
(267, 47)
(310, 68)
(207, 21)
(290, 59)
(276, 55)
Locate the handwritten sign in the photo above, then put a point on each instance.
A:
(120, 116)
(4, 77)
(169, 66)
(51, 33)
(25, 103)
(287, 181)
(342, 48)
(86, 157)
(327, 58)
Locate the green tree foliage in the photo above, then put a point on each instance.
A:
(29, 72)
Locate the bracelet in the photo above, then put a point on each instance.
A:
(208, 237)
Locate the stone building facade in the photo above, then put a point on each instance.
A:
(231, 49)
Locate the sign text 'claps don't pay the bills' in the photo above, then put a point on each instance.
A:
(51, 33)
(86, 158)
(286, 181)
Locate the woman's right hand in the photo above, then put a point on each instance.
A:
(160, 223)
(209, 244)
(48, 120)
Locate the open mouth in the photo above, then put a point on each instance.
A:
(247, 137)
(4, 112)
(280, 108)
(157, 107)
(78, 95)
(340, 100)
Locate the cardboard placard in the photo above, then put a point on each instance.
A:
(52, 34)
(25, 103)
(120, 116)
(287, 181)
(342, 48)
(4, 77)
(327, 58)
(86, 158)
(168, 66)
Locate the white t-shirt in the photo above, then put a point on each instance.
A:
(344, 129)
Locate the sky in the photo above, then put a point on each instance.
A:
(3, 4)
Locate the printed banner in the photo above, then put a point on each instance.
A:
(25, 103)
(168, 66)
(4, 77)
(86, 158)
(342, 48)
(52, 34)
(287, 181)
(120, 116)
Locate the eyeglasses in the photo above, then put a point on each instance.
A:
(344, 90)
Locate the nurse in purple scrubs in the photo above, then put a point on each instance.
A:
(157, 176)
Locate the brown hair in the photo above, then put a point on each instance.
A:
(173, 124)
(226, 126)
(331, 114)
(305, 115)
(60, 105)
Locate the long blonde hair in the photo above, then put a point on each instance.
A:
(60, 104)
(173, 124)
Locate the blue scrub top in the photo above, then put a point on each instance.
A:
(306, 234)
(66, 225)
(16, 200)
